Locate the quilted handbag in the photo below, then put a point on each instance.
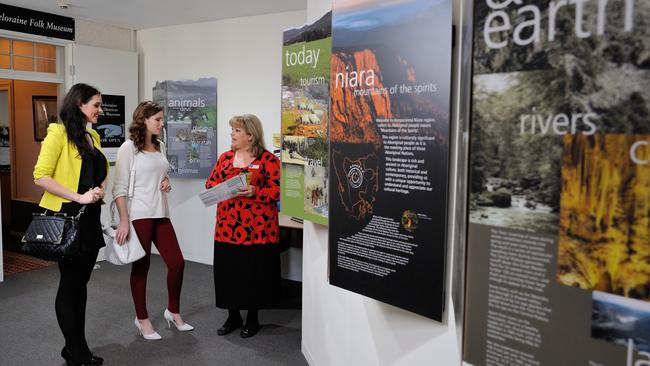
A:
(53, 237)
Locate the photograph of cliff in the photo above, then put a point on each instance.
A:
(363, 71)
(604, 240)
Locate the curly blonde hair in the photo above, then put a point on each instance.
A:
(138, 130)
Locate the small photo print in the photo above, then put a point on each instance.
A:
(173, 163)
(304, 111)
(409, 220)
(316, 190)
(619, 320)
(4, 136)
(294, 149)
(193, 153)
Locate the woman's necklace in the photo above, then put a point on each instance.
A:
(241, 161)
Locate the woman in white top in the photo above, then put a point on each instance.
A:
(140, 193)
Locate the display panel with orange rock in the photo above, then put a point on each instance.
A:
(389, 148)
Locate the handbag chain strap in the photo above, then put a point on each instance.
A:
(81, 211)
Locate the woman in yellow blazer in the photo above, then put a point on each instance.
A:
(72, 169)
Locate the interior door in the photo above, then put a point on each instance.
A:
(5, 117)
(113, 72)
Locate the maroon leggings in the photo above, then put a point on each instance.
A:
(161, 232)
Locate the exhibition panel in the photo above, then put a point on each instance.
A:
(389, 148)
(305, 120)
(559, 208)
(190, 125)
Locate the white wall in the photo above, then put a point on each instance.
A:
(343, 328)
(244, 54)
(338, 326)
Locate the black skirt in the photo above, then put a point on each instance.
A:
(91, 236)
(246, 276)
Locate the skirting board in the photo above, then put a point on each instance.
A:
(305, 353)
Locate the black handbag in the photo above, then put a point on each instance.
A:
(54, 237)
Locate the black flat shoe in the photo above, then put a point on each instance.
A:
(228, 327)
(96, 361)
(249, 331)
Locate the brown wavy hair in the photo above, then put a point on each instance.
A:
(138, 130)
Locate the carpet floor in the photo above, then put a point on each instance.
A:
(16, 262)
(29, 334)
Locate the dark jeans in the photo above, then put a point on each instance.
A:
(70, 302)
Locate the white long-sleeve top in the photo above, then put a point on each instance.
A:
(148, 201)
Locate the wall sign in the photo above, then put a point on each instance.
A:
(111, 125)
(29, 21)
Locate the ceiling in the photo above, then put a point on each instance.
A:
(141, 14)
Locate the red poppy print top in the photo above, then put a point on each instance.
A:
(248, 220)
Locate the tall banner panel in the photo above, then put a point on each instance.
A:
(190, 125)
(558, 269)
(389, 148)
(305, 120)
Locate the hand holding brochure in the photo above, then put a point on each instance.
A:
(224, 190)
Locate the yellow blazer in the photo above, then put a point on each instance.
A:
(60, 160)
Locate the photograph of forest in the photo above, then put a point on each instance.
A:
(604, 240)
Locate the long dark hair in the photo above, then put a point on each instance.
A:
(138, 130)
(74, 120)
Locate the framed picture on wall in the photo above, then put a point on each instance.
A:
(44, 108)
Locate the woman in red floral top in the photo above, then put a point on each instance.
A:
(246, 257)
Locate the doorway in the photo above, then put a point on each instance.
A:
(23, 114)
(31, 78)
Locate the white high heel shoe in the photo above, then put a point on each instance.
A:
(150, 337)
(170, 320)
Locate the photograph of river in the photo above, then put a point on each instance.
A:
(515, 167)
(518, 216)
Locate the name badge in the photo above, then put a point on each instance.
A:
(253, 166)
